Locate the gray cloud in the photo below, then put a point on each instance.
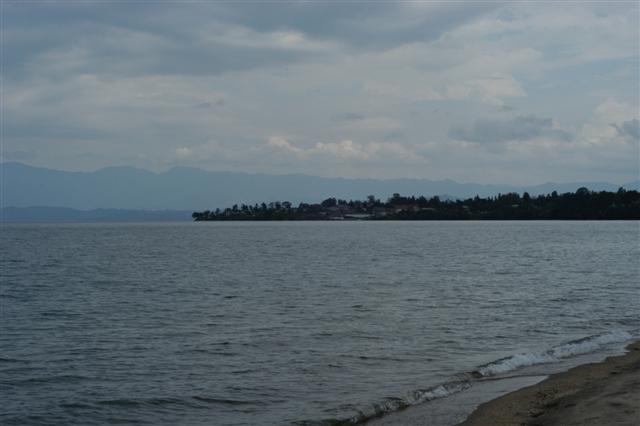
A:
(93, 84)
(206, 38)
(520, 128)
(18, 155)
(107, 53)
(107, 39)
(629, 129)
(350, 116)
(372, 25)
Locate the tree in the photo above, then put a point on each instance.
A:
(582, 191)
(582, 204)
(329, 202)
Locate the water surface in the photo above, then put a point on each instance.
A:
(295, 323)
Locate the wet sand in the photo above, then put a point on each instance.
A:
(600, 394)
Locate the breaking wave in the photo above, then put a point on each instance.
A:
(413, 398)
(566, 350)
(556, 353)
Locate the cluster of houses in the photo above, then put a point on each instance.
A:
(321, 211)
(345, 212)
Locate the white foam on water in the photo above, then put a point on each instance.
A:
(566, 350)
(505, 365)
(440, 391)
(415, 397)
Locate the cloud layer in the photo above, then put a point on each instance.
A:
(487, 92)
(518, 128)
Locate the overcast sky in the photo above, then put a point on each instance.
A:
(495, 92)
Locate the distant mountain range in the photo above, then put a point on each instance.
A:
(66, 214)
(189, 189)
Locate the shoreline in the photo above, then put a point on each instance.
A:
(603, 393)
(597, 393)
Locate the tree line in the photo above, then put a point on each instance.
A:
(580, 205)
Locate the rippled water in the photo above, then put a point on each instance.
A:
(284, 323)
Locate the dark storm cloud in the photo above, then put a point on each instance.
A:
(517, 128)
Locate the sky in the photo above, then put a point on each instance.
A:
(487, 92)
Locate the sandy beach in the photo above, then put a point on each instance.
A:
(606, 393)
(598, 394)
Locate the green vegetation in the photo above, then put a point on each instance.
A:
(581, 205)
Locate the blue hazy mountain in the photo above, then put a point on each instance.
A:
(66, 214)
(184, 188)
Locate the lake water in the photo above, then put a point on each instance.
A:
(296, 323)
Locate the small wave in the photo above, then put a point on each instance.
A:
(75, 405)
(394, 404)
(566, 350)
(223, 401)
(14, 360)
(61, 378)
(366, 336)
(437, 392)
(9, 296)
(245, 371)
(147, 402)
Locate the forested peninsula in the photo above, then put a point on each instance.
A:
(580, 205)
